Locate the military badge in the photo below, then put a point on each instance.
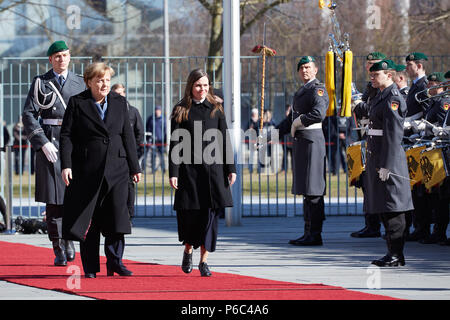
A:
(394, 105)
(320, 92)
(446, 106)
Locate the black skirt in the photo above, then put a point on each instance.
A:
(198, 227)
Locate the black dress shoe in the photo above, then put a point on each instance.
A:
(366, 233)
(204, 270)
(310, 240)
(356, 233)
(70, 250)
(90, 275)
(186, 264)
(390, 261)
(120, 270)
(298, 239)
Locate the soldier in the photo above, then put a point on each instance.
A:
(372, 222)
(309, 108)
(139, 132)
(42, 118)
(439, 197)
(387, 187)
(401, 79)
(415, 67)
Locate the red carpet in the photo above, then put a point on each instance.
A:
(32, 266)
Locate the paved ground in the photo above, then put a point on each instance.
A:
(259, 248)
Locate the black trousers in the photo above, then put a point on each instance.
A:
(394, 224)
(53, 217)
(198, 227)
(90, 248)
(313, 214)
(421, 217)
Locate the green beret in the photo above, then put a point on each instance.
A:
(57, 46)
(447, 75)
(416, 56)
(376, 56)
(436, 76)
(400, 67)
(383, 65)
(304, 60)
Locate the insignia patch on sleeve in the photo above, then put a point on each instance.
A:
(320, 92)
(394, 105)
(446, 106)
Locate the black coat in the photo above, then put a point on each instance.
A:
(49, 185)
(97, 150)
(386, 113)
(201, 185)
(414, 107)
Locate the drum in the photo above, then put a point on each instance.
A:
(413, 155)
(433, 166)
(356, 161)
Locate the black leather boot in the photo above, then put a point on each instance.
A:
(59, 250)
(70, 250)
(186, 264)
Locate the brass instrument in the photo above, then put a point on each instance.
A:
(429, 96)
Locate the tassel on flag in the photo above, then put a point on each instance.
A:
(330, 83)
(346, 109)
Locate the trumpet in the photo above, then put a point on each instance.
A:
(445, 85)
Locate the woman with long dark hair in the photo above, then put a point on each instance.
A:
(201, 168)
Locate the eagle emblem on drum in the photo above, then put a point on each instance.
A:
(413, 165)
(427, 168)
(350, 163)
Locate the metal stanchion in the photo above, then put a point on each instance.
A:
(9, 190)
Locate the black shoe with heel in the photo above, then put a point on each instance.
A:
(204, 269)
(186, 264)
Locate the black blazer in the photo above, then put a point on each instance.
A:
(96, 150)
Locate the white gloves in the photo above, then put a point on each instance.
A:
(407, 125)
(297, 123)
(418, 125)
(50, 152)
(439, 131)
(383, 173)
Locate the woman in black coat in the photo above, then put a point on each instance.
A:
(200, 168)
(98, 154)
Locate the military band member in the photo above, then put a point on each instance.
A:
(309, 108)
(388, 192)
(372, 222)
(415, 67)
(401, 79)
(439, 196)
(42, 118)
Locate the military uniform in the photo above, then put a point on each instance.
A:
(372, 222)
(42, 118)
(416, 111)
(391, 197)
(439, 196)
(309, 105)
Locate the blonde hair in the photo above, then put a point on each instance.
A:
(96, 69)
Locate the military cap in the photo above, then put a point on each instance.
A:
(376, 56)
(304, 60)
(436, 76)
(400, 67)
(447, 75)
(383, 65)
(416, 56)
(57, 46)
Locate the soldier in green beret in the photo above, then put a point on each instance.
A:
(416, 63)
(42, 118)
(304, 122)
(372, 222)
(401, 79)
(387, 194)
